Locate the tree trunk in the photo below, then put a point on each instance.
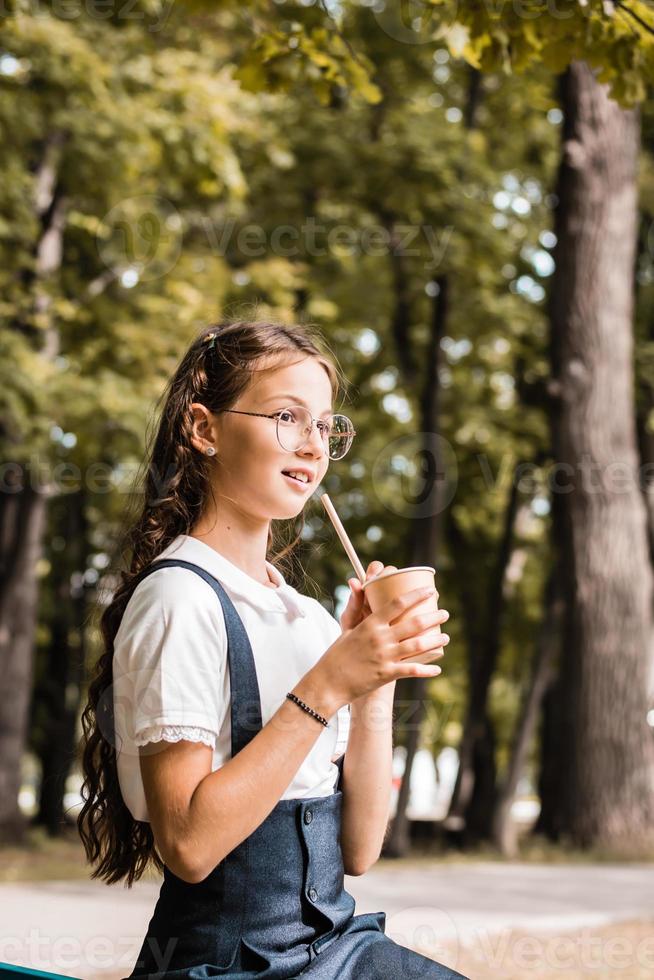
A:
(646, 451)
(504, 829)
(23, 506)
(424, 548)
(474, 791)
(22, 522)
(608, 771)
(558, 723)
(57, 693)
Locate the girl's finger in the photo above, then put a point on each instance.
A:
(433, 652)
(409, 669)
(416, 626)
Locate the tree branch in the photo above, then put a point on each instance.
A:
(632, 13)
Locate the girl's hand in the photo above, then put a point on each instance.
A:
(389, 644)
(357, 608)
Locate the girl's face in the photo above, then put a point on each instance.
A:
(249, 461)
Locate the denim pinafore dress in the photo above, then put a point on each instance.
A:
(275, 907)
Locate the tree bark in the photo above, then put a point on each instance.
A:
(646, 451)
(504, 829)
(57, 692)
(23, 506)
(424, 543)
(645, 386)
(22, 524)
(607, 788)
(557, 725)
(474, 791)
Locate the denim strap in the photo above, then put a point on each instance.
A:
(245, 697)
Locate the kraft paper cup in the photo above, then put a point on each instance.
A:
(381, 588)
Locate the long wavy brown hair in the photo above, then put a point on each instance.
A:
(175, 488)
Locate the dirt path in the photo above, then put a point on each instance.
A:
(510, 920)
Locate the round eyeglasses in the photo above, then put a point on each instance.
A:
(294, 426)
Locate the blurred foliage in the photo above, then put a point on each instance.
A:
(314, 43)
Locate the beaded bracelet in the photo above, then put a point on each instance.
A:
(306, 707)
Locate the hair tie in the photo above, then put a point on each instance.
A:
(211, 337)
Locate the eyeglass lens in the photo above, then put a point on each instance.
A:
(294, 430)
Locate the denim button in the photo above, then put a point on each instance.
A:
(308, 816)
(313, 894)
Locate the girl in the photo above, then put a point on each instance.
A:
(216, 725)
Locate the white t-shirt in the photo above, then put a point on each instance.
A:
(171, 673)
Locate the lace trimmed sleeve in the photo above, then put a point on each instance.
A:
(176, 733)
(170, 661)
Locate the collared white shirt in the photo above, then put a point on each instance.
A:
(171, 673)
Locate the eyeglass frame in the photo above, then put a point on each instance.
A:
(264, 415)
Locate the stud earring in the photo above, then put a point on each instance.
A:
(211, 451)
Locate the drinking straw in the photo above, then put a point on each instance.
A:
(345, 541)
